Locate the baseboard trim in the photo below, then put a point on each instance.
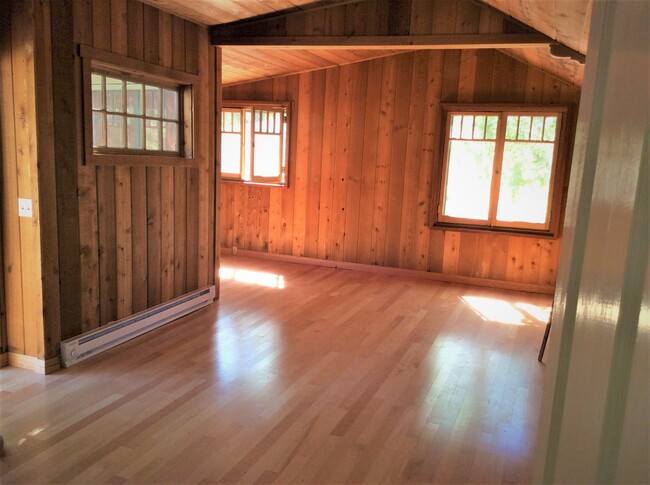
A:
(34, 364)
(447, 278)
(4, 359)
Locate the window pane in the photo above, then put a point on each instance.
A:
(153, 135)
(134, 132)
(267, 156)
(236, 121)
(98, 91)
(468, 126)
(479, 127)
(134, 98)
(98, 130)
(278, 122)
(170, 136)
(257, 120)
(550, 128)
(248, 134)
(525, 182)
(115, 131)
(524, 128)
(226, 121)
(537, 128)
(230, 153)
(456, 121)
(170, 104)
(511, 127)
(469, 177)
(152, 101)
(114, 91)
(491, 127)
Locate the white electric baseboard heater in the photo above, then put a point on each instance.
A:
(95, 341)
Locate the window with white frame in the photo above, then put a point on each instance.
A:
(500, 168)
(254, 142)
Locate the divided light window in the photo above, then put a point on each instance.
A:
(130, 116)
(254, 140)
(500, 168)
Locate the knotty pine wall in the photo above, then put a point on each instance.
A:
(111, 240)
(364, 159)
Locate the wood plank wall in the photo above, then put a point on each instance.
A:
(23, 257)
(364, 158)
(146, 233)
(105, 241)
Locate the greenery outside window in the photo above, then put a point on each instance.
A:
(254, 141)
(501, 168)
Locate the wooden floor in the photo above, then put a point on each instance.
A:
(299, 374)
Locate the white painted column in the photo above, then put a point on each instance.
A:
(595, 417)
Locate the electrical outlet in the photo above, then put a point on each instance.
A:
(24, 207)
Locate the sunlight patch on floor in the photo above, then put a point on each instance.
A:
(270, 280)
(501, 311)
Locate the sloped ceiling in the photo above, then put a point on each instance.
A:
(566, 21)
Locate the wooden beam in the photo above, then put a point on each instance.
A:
(382, 42)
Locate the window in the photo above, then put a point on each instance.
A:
(500, 168)
(136, 112)
(132, 116)
(254, 142)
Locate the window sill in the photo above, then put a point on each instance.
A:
(506, 231)
(259, 184)
(141, 160)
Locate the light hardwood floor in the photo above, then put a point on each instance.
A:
(299, 374)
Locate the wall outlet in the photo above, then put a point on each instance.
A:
(234, 250)
(24, 207)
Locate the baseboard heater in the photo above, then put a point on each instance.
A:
(95, 341)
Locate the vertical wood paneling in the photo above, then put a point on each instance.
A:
(315, 142)
(382, 170)
(12, 267)
(154, 236)
(180, 230)
(104, 241)
(139, 237)
(87, 193)
(364, 251)
(368, 148)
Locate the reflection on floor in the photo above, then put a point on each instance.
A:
(298, 374)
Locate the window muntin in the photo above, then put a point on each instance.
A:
(499, 168)
(254, 142)
(131, 116)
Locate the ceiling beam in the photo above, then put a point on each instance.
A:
(393, 42)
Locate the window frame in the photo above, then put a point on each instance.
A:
(551, 226)
(129, 69)
(285, 142)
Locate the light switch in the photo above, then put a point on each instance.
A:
(24, 207)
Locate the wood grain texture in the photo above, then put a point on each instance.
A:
(556, 19)
(380, 147)
(363, 378)
(149, 228)
(95, 248)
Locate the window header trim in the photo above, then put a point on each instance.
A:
(135, 67)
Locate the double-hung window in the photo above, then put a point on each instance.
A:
(501, 168)
(254, 142)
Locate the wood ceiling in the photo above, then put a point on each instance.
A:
(566, 21)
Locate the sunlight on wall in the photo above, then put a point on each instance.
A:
(495, 310)
(270, 280)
